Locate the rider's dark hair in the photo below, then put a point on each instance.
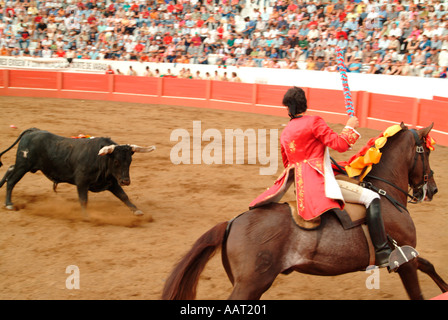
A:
(295, 100)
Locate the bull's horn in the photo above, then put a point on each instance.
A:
(106, 150)
(136, 148)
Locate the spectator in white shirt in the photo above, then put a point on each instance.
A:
(395, 31)
(46, 42)
(46, 53)
(443, 57)
(313, 33)
(383, 45)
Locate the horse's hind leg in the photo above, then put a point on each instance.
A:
(252, 287)
(408, 275)
(256, 249)
(428, 268)
(251, 270)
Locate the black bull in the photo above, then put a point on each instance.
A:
(95, 165)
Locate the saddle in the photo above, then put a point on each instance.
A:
(353, 215)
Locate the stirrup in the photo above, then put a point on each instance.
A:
(400, 256)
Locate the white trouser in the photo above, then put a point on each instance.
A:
(356, 194)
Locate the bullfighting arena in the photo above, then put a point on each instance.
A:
(121, 256)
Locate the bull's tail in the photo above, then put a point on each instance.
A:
(15, 142)
(182, 283)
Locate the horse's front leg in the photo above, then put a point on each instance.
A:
(408, 275)
(428, 268)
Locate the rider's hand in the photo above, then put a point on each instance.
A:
(353, 122)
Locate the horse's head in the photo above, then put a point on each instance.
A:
(421, 177)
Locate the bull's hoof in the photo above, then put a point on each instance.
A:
(138, 212)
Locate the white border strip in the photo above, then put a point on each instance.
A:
(135, 94)
(190, 98)
(84, 91)
(441, 132)
(218, 100)
(387, 121)
(23, 88)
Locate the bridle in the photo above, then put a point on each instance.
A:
(423, 185)
(420, 151)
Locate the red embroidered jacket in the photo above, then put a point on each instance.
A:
(303, 144)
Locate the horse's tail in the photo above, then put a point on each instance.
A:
(182, 283)
(15, 142)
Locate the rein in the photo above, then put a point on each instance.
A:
(419, 153)
(382, 192)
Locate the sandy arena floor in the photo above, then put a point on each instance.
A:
(120, 256)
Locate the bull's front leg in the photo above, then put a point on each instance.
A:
(82, 196)
(118, 191)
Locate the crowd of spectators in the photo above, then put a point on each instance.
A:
(184, 73)
(398, 37)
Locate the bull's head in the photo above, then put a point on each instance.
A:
(120, 160)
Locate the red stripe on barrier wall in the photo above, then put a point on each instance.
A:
(391, 108)
(189, 88)
(270, 95)
(440, 98)
(375, 111)
(29, 79)
(327, 100)
(434, 111)
(232, 91)
(85, 82)
(135, 85)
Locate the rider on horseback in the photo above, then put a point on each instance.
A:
(304, 146)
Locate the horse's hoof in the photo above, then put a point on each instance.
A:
(10, 207)
(138, 212)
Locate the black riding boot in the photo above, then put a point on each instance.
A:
(378, 233)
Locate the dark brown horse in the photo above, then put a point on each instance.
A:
(264, 242)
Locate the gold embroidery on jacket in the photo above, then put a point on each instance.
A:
(317, 165)
(299, 188)
(292, 147)
(349, 135)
